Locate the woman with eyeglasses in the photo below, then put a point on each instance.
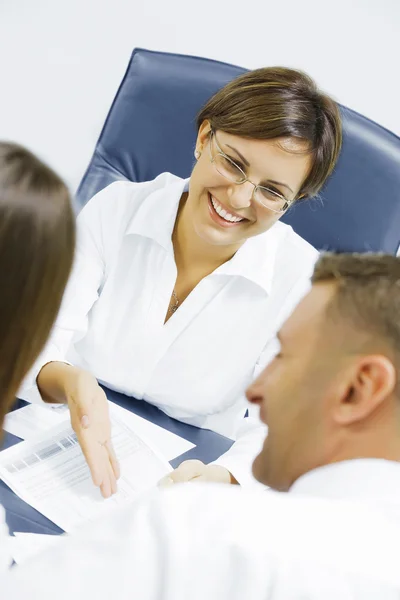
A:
(180, 285)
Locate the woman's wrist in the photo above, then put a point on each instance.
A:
(53, 381)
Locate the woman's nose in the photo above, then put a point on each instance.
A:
(241, 195)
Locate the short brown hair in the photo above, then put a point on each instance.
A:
(37, 240)
(277, 102)
(367, 294)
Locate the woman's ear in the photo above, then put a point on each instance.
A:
(203, 134)
(370, 382)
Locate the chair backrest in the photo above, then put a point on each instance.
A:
(151, 128)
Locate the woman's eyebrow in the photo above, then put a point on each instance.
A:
(246, 162)
(242, 158)
(282, 184)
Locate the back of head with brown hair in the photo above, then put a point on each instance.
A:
(367, 295)
(37, 240)
(277, 102)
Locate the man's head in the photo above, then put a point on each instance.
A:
(332, 391)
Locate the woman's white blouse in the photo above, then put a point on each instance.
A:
(196, 366)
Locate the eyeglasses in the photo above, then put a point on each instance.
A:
(230, 170)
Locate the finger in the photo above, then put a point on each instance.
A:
(111, 476)
(95, 456)
(85, 422)
(83, 402)
(187, 470)
(80, 416)
(199, 478)
(105, 488)
(214, 474)
(113, 459)
(114, 485)
(110, 472)
(84, 410)
(107, 484)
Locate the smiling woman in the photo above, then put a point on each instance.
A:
(180, 285)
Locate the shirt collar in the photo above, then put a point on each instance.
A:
(363, 478)
(255, 260)
(156, 216)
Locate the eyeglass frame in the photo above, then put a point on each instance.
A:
(288, 203)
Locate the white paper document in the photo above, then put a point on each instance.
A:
(32, 419)
(50, 473)
(27, 422)
(169, 444)
(27, 545)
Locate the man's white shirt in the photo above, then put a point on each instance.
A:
(333, 536)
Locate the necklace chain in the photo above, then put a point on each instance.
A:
(173, 306)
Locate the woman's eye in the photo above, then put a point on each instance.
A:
(271, 194)
(231, 165)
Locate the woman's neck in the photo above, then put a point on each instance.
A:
(191, 250)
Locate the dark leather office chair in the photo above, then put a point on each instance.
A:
(151, 129)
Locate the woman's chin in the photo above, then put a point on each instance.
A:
(216, 237)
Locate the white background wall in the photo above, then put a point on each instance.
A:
(61, 60)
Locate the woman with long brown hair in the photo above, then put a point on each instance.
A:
(181, 285)
(37, 240)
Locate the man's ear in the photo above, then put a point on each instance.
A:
(365, 387)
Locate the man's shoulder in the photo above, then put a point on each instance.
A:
(286, 526)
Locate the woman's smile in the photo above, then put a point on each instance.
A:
(222, 215)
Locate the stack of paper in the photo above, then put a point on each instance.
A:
(50, 473)
(27, 422)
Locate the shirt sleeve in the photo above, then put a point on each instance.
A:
(252, 432)
(94, 226)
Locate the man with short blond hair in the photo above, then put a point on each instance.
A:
(332, 394)
(331, 401)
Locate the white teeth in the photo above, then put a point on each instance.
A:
(223, 213)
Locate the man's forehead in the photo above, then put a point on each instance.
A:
(310, 313)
